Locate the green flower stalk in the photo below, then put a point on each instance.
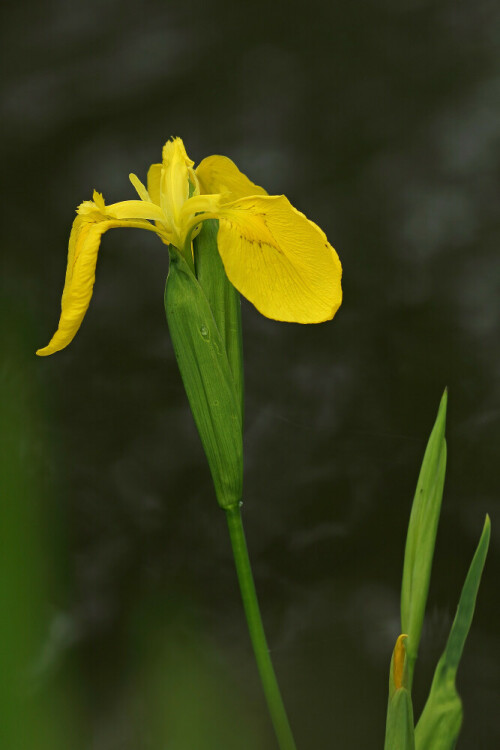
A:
(225, 236)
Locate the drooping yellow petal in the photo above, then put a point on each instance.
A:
(218, 174)
(279, 260)
(83, 248)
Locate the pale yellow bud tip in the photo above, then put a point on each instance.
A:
(399, 661)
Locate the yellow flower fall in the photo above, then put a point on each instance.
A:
(277, 258)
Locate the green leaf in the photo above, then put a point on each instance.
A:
(439, 724)
(223, 298)
(208, 380)
(421, 537)
(399, 733)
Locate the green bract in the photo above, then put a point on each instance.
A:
(223, 298)
(215, 396)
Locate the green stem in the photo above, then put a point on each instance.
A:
(256, 628)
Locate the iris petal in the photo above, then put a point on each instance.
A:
(83, 248)
(140, 188)
(218, 174)
(135, 210)
(154, 179)
(279, 260)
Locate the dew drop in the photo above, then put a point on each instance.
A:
(204, 332)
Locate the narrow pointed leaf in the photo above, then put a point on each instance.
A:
(441, 719)
(223, 298)
(207, 377)
(421, 537)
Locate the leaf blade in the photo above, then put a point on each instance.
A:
(421, 536)
(441, 719)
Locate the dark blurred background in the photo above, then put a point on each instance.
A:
(122, 626)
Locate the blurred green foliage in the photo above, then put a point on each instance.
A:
(179, 693)
(36, 709)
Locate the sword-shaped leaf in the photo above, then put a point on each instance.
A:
(441, 719)
(421, 537)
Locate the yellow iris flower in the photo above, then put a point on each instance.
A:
(273, 255)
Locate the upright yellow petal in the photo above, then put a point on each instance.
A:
(83, 247)
(279, 260)
(154, 179)
(218, 174)
(140, 188)
(174, 185)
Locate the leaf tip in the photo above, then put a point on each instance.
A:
(487, 526)
(444, 400)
